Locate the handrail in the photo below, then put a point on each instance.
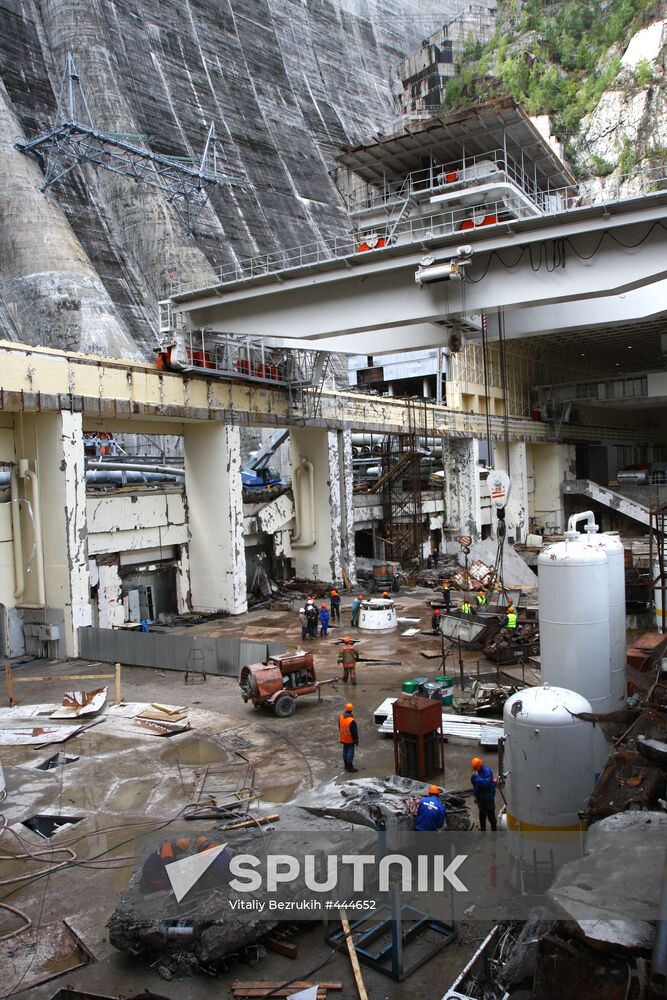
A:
(418, 230)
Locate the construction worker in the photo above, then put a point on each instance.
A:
(304, 622)
(386, 595)
(348, 735)
(324, 621)
(447, 596)
(435, 622)
(466, 607)
(511, 616)
(335, 606)
(154, 877)
(484, 792)
(348, 656)
(431, 812)
(312, 617)
(356, 605)
(481, 598)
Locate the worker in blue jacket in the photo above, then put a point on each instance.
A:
(431, 812)
(484, 792)
(324, 620)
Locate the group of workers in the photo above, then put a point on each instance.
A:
(431, 811)
(313, 617)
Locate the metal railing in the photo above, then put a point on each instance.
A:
(649, 180)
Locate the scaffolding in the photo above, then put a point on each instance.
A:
(74, 140)
(401, 487)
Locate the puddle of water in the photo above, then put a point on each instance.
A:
(130, 795)
(56, 966)
(277, 793)
(196, 752)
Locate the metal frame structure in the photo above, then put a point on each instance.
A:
(401, 485)
(658, 562)
(74, 140)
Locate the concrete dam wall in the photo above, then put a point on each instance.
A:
(286, 82)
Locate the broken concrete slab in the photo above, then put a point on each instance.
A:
(371, 801)
(515, 571)
(612, 893)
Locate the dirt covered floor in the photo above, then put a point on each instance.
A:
(126, 783)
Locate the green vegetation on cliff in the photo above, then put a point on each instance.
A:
(554, 58)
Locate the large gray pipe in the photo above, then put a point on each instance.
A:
(163, 470)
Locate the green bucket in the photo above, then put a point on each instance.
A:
(447, 689)
(409, 687)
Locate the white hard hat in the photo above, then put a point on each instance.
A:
(302, 611)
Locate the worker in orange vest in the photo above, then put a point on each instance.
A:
(348, 656)
(348, 736)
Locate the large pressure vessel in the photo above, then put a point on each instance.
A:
(575, 648)
(610, 542)
(550, 773)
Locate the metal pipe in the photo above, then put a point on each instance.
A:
(586, 515)
(169, 470)
(306, 468)
(37, 514)
(16, 535)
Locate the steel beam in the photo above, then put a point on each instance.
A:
(332, 304)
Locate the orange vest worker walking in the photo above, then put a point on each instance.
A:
(348, 735)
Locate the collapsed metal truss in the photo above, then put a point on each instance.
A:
(302, 373)
(74, 140)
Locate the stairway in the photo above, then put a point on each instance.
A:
(603, 495)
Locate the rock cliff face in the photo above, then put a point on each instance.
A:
(626, 135)
(286, 82)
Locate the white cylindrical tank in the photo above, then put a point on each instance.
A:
(575, 649)
(610, 542)
(377, 615)
(549, 773)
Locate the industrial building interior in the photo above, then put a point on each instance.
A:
(331, 497)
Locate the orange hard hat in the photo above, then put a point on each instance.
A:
(360, 596)
(324, 605)
(183, 843)
(480, 591)
(437, 611)
(433, 790)
(476, 763)
(334, 592)
(446, 584)
(349, 707)
(385, 593)
(346, 638)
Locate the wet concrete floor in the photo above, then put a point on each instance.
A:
(124, 785)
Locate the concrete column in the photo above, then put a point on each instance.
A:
(462, 493)
(215, 517)
(516, 512)
(53, 445)
(323, 535)
(552, 464)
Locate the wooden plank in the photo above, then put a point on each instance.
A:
(65, 677)
(119, 696)
(239, 986)
(9, 680)
(281, 947)
(354, 958)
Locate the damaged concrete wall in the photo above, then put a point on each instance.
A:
(11, 635)
(53, 445)
(316, 540)
(460, 459)
(110, 610)
(286, 84)
(516, 512)
(126, 523)
(215, 517)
